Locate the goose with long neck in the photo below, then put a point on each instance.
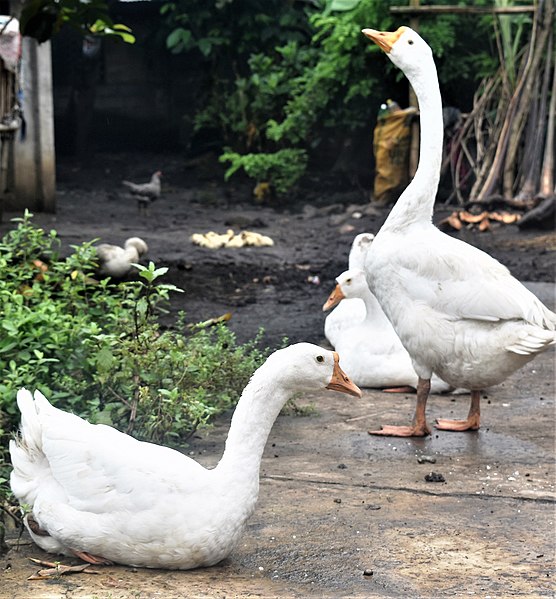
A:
(458, 312)
(370, 351)
(103, 496)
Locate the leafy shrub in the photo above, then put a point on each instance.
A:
(300, 76)
(280, 169)
(96, 348)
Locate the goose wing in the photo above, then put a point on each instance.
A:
(96, 468)
(464, 282)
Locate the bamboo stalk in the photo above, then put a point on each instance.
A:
(487, 144)
(503, 139)
(546, 186)
(534, 150)
(538, 45)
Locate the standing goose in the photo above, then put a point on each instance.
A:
(458, 311)
(99, 494)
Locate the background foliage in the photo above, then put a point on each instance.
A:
(41, 19)
(300, 76)
(290, 85)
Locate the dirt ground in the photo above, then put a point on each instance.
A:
(281, 288)
(341, 514)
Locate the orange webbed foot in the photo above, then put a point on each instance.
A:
(92, 559)
(406, 389)
(402, 431)
(444, 424)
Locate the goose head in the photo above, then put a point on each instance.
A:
(359, 248)
(307, 367)
(404, 47)
(136, 242)
(350, 284)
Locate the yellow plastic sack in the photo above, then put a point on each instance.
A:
(391, 141)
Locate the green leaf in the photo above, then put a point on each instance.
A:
(179, 36)
(343, 5)
(104, 359)
(205, 46)
(167, 287)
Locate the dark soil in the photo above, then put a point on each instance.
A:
(280, 288)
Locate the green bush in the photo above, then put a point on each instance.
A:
(96, 348)
(280, 169)
(300, 76)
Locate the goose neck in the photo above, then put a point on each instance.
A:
(250, 427)
(416, 203)
(371, 303)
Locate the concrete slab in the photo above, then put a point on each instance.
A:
(344, 514)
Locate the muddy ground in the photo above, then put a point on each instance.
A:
(341, 514)
(281, 288)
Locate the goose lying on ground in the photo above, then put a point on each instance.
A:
(115, 261)
(350, 310)
(458, 312)
(99, 494)
(370, 351)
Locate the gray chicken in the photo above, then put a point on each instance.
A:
(145, 192)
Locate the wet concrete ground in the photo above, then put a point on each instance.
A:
(344, 514)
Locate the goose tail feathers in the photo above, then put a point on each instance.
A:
(533, 342)
(26, 450)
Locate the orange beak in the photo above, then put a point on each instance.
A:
(333, 299)
(384, 39)
(341, 382)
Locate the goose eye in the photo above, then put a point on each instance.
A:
(348, 281)
(410, 42)
(320, 358)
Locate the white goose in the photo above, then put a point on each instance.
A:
(370, 351)
(115, 261)
(99, 494)
(458, 312)
(349, 310)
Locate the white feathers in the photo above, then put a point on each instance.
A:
(352, 310)
(457, 310)
(115, 261)
(370, 351)
(94, 489)
(150, 190)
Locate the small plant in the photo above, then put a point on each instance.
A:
(96, 348)
(281, 169)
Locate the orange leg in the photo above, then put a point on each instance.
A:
(91, 559)
(420, 428)
(406, 389)
(473, 421)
